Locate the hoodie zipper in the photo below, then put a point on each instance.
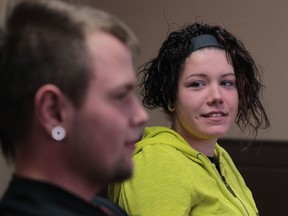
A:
(228, 186)
(232, 192)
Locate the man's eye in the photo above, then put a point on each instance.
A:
(121, 96)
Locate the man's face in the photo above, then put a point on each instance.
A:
(108, 124)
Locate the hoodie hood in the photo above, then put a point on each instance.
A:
(165, 136)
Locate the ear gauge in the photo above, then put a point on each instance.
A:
(58, 133)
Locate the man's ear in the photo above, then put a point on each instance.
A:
(50, 104)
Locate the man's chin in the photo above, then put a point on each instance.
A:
(123, 174)
(123, 171)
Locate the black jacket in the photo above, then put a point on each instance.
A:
(26, 197)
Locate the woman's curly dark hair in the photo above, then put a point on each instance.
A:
(160, 75)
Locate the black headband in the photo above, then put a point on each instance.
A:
(205, 40)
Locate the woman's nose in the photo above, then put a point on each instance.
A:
(215, 95)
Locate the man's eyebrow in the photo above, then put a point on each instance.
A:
(127, 86)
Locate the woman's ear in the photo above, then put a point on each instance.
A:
(50, 107)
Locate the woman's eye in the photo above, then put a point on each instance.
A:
(197, 84)
(228, 83)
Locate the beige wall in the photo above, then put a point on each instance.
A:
(261, 25)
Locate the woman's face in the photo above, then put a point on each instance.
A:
(207, 98)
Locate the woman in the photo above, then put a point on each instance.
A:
(204, 79)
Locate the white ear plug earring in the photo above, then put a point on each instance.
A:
(58, 133)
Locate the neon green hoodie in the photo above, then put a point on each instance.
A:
(171, 178)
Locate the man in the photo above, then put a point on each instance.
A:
(69, 117)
